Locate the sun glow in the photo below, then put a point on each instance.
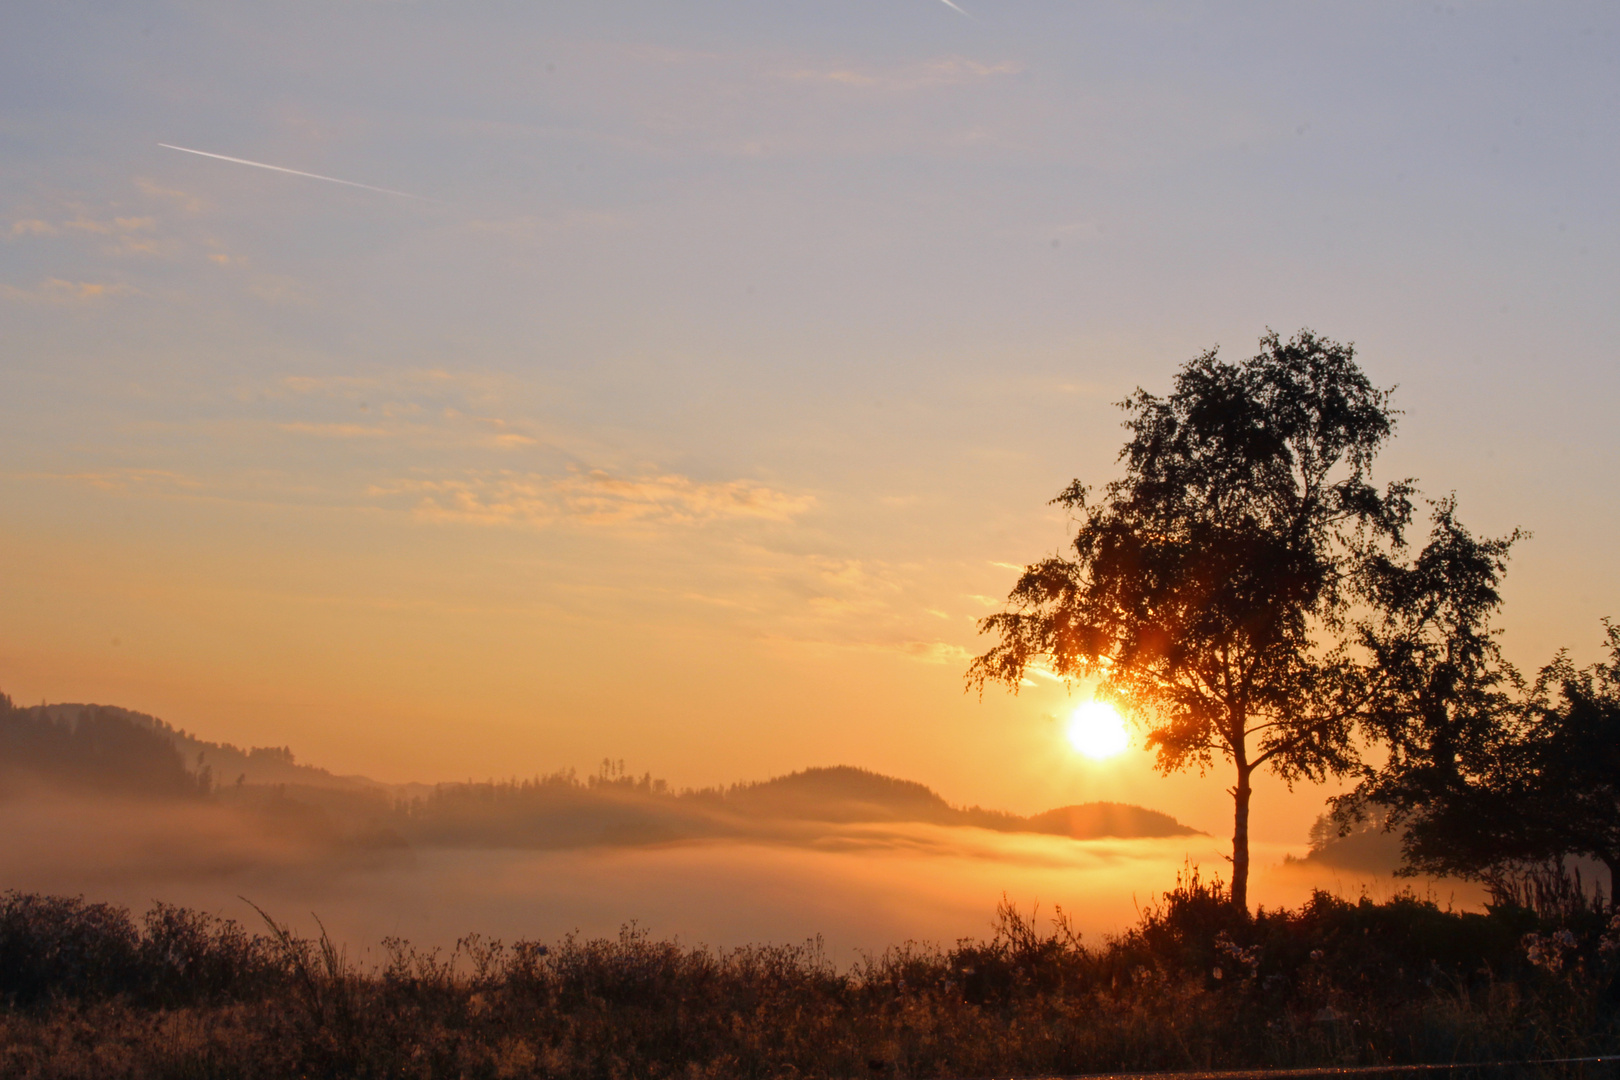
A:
(1098, 731)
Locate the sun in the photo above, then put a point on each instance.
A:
(1098, 731)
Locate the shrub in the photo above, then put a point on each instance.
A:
(1195, 984)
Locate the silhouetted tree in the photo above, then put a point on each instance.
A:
(1534, 784)
(1447, 708)
(1572, 761)
(99, 748)
(1210, 588)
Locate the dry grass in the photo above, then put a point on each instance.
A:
(88, 993)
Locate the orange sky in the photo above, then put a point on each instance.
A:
(719, 383)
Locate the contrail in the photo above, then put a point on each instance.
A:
(312, 176)
(954, 8)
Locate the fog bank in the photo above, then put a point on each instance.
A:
(862, 887)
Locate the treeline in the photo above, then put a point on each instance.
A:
(1497, 775)
(98, 749)
(102, 751)
(86, 991)
(223, 762)
(612, 806)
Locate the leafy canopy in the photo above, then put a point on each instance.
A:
(1209, 587)
(1449, 708)
(1511, 777)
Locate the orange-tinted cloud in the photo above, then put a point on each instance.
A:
(593, 497)
(60, 291)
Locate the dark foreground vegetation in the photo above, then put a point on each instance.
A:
(1254, 597)
(87, 992)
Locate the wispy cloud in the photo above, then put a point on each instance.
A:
(138, 224)
(123, 234)
(127, 480)
(592, 497)
(108, 228)
(185, 200)
(416, 408)
(848, 639)
(934, 652)
(61, 291)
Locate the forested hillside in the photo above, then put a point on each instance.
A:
(107, 751)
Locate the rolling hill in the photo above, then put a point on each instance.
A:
(114, 750)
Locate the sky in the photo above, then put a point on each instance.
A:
(703, 371)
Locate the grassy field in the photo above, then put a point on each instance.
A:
(88, 991)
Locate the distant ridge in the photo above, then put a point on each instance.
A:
(120, 750)
(224, 761)
(844, 793)
(1099, 819)
(841, 793)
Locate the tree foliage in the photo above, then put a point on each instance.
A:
(1573, 760)
(1211, 588)
(1514, 777)
(96, 748)
(1446, 706)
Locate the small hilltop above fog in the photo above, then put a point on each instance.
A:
(843, 793)
(100, 752)
(130, 742)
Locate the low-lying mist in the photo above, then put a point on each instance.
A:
(861, 887)
(120, 807)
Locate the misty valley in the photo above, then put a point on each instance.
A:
(491, 929)
(100, 753)
(120, 806)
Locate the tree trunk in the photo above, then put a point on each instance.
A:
(1240, 841)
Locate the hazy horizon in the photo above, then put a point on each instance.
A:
(858, 877)
(720, 892)
(117, 808)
